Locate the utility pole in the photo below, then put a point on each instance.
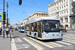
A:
(3, 18)
(7, 13)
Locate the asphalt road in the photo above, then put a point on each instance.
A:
(23, 42)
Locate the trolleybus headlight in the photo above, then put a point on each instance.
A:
(43, 33)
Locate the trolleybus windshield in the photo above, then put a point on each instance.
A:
(51, 26)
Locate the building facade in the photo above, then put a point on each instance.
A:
(35, 15)
(15, 25)
(72, 16)
(61, 9)
(38, 15)
(25, 20)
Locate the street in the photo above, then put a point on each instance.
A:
(23, 42)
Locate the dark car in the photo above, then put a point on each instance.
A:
(64, 30)
(16, 29)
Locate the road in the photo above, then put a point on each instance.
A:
(23, 42)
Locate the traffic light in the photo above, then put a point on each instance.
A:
(4, 17)
(20, 2)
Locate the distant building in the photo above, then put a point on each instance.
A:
(38, 15)
(25, 20)
(35, 15)
(63, 9)
(15, 25)
(1, 24)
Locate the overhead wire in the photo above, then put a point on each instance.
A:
(31, 6)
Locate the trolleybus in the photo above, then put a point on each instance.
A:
(44, 28)
(21, 28)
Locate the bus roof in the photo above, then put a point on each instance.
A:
(39, 19)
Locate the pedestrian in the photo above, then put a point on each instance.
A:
(7, 32)
(0, 31)
(12, 30)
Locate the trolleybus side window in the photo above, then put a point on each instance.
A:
(35, 27)
(32, 27)
(27, 27)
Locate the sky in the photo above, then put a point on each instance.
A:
(17, 13)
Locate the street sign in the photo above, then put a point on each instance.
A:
(1, 16)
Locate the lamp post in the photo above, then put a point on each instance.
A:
(7, 13)
(4, 18)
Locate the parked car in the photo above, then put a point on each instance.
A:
(64, 30)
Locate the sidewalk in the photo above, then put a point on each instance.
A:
(5, 43)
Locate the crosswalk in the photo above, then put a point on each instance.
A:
(68, 40)
(41, 45)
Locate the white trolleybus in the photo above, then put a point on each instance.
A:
(44, 28)
(21, 28)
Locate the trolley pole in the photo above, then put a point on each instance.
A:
(3, 18)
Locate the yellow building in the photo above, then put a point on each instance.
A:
(25, 20)
(38, 15)
(15, 25)
(35, 15)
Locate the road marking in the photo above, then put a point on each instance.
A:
(19, 40)
(15, 40)
(29, 35)
(69, 41)
(25, 33)
(13, 46)
(21, 46)
(73, 41)
(56, 44)
(42, 43)
(37, 47)
(37, 44)
(64, 43)
(50, 44)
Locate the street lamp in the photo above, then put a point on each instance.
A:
(7, 13)
(4, 18)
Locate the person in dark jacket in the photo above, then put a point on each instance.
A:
(7, 32)
(0, 31)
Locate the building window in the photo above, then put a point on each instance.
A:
(67, 11)
(73, 19)
(74, 12)
(73, 26)
(66, 19)
(74, 5)
(64, 5)
(60, 7)
(61, 20)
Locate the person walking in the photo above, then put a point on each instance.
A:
(7, 32)
(12, 30)
(0, 31)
